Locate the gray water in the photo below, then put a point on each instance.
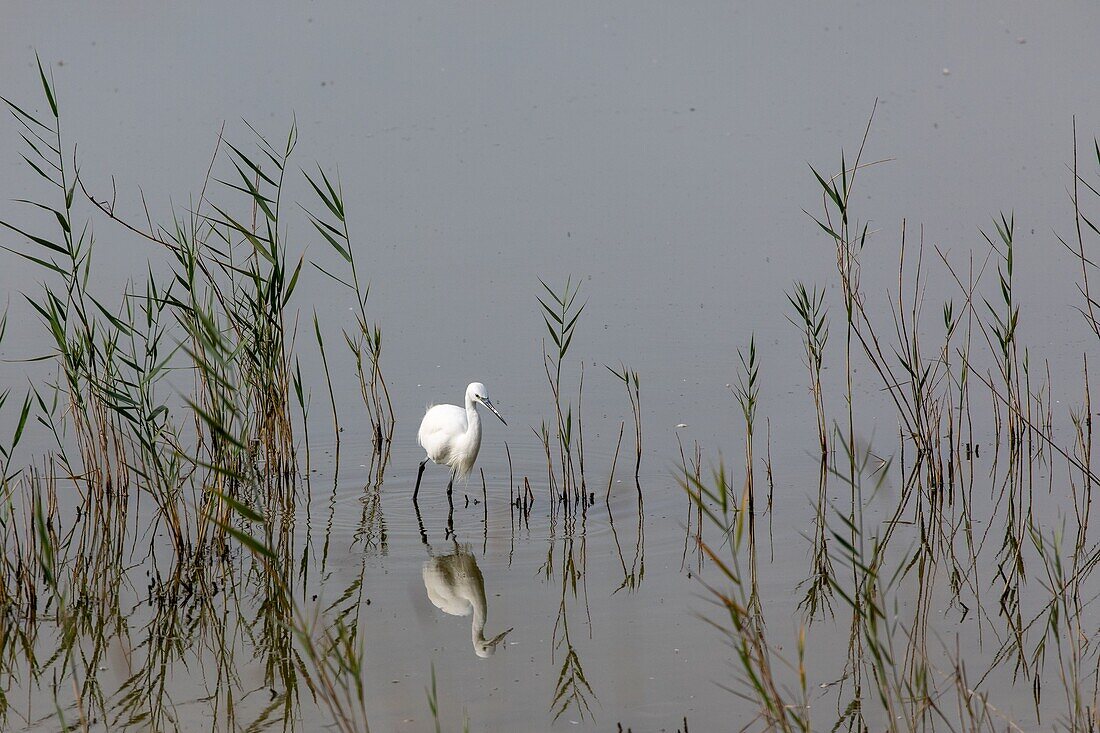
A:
(659, 155)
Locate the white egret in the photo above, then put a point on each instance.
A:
(455, 586)
(451, 435)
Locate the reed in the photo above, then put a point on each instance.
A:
(813, 322)
(560, 313)
(365, 340)
(633, 384)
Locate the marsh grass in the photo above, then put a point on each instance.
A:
(813, 322)
(174, 413)
(567, 554)
(365, 340)
(180, 411)
(560, 314)
(633, 384)
(965, 575)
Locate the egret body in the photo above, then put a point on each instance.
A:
(451, 435)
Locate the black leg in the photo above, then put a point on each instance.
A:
(419, 474)
(420, 521)
(450, 485)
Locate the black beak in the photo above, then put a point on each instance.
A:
(488, 403)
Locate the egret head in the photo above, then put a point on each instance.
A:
(485, 647)
(476, 392)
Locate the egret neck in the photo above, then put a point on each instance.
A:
(483, 647)
(473, 423)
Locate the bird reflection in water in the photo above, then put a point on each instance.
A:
(455, 586)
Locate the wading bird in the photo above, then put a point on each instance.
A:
(455, 586)
(451, 435)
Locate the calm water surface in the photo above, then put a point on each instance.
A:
(657, 154)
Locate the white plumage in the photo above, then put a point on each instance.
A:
(450, 438)
(451, 435)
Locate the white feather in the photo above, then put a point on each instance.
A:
(451, 435)
(446, 437)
